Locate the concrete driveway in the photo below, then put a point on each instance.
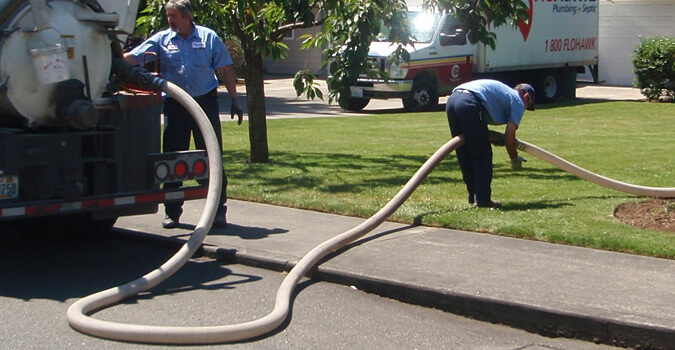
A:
(282, 102)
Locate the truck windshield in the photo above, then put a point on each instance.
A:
(422, 26)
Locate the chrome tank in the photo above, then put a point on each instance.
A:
(45, 42)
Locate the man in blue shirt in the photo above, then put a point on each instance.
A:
(189, 56)
(470, 108)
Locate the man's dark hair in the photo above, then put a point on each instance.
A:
(183, 6)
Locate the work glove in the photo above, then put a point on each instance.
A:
(235, 109)
(517, 163)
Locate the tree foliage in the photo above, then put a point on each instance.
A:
(346, 29)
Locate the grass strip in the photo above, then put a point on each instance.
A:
(354, 165)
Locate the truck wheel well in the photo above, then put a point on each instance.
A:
(423, 95)
(547, 85)
(429, 76)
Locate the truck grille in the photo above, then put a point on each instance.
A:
(380, 62)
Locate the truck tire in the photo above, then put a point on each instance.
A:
(101, 226)
(548, 86)
(85, 225)
(356, 104)
(81, 225)
(423, 97)
(66, 226)
(569, 83)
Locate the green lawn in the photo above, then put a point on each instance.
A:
(355, 165)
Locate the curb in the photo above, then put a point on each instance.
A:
(545, 322)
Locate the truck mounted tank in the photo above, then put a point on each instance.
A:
(76, 146)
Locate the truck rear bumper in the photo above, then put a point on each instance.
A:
(376, 88)
(102, 206)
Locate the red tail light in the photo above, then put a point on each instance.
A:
(199, 168)
(181, 169)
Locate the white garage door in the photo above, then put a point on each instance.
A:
(622, 22)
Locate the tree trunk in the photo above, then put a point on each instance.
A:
(255, 99)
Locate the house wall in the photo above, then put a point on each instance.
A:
(297, 59)
(622, 23)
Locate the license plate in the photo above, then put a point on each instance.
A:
(356, 91)
(9, 187)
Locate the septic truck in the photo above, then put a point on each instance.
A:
(559, 40)
(79, 133)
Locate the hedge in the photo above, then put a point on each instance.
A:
(654, 67)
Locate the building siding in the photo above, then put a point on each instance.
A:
(297, 60)
(622, 23)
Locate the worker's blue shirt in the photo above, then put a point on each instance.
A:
(189, 63)
(502, 102)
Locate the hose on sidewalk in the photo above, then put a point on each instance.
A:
(266, 324)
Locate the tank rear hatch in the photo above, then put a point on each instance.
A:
(43, 47)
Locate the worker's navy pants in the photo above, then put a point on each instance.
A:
(178, 126)
(465, 116)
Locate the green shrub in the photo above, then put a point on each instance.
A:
(654, 67)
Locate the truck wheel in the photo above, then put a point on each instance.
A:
(9, 230)
(423, 97)
(83, 225)
(356, 104)
(548, 86)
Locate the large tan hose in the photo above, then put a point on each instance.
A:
(595, 178)
(77, 312)
(230, 333)
(264, 325)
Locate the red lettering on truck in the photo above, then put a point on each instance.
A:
(570, 44)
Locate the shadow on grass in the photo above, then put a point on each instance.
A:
(354, 173)
(553, 204)
(536, 205)
(349, 173)
(504, 171)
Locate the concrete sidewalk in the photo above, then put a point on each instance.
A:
(554, 290)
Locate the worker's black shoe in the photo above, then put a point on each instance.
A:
(169, 222)
(488, 204)
(220, 221)
(471, 198)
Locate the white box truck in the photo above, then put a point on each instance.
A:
(559, 40)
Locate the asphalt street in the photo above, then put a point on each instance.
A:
(42, 275)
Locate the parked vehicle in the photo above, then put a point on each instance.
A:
(77, 148)
(559, 40)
